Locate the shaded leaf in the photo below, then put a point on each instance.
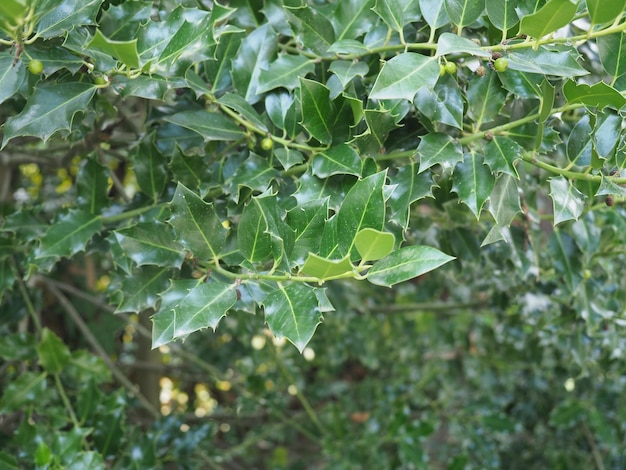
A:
(293, 311)
(52, 352)
(164, 322)
(442, 105)
(151, 243)
(91, 186)
(124, 51)
(211, 126)
(485, 98)
(501, 153)
(434, 12)
(203, 307)
(150, 169)
(69, 234)
(12, 76)
(255, 173)
(338, 159)
(140, 288)
(307, 220)
(473, 182)
(66, 15)
(406, 263)
(566, 258)
(397, 13)
(502, 14)
(410, 186)
(438, 149)
(612, 52)
(285, 72)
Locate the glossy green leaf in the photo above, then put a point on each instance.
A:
(148, 87)
(325, 268)
(150, 170)
(473, 182)
(406, 263)
(282, 109)
(363, 207)
(352, 18)
(443, 104)
(568, 202)
(449, 43)
(203, 307)
(121, 22)
(485, 98)
(606, 133)
(69, 234)
(557, 61)
(192, 37)
(311, 28)
(141, 287)
(151, 243)
(285, 72)
(373, 244)
(337, 160)
(52, 352)
(379, 124)
(504, 201)
(293, 311)
(66, 15)
(124, 51)
(608, 187)
(598, 95)
(438, 149)
(345, 70)
(612, 52)
(239, 104)
(190, 171)
(403, 75)
(434, 12)
(522, 84)
(410, 186)
(253, 238)
(197, 225)
(464, 12)
(255, 173)
(211, 126)
(502, 13)
(288, 157)
(317, 110)
(12, 77)
(604, 12)
(501, 153)
(255, 54)
(397, 13)
(553, 15)
(307, 220)
(27, 389)
(164, 322)
(91, 186)
(51, 108)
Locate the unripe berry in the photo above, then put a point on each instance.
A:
(450, 68)
(267, 144)
(35, 67)
(501, 64)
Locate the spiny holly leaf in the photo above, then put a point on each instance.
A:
(164, 322)
(151, 243)
(293, 311)
(337, 160)
(403, 75)
(504, 204)
(553, 15)
(50, 108)
(239, 104)
(374, 244)
(597, 95)
(485, 97)
(285, 72)
(318, 111)
(308, 221)
(363, 207)
(141, 288)
(203, 307)
(558, 61)
(211, 126)
(66, 15)
(255, 173)
(473, 182)
(325, 268)
(69, 234)
(124, 51)
(501, 154)
(438, 149)
(443, 104)
(12, 77)
(197, 225)
(568, 201)
(406, 263)
(91, 186)
(410, 186)
(53, 354)
(150, 169)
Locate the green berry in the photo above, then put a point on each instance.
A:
(501, 64)
(442, 70)
(100, 80)
(35, 67)
(450, 68)
(267, 144)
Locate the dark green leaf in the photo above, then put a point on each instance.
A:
(92, 183)
(293, 311)
(352, 18)
(53, 354)
(197, 225)
(473, 182)
(124, 51)
(27, 389)
(363, 207)
(597, 95)
(164, 322)
(604, 12)
(522, 84)
(69, 234)
(397, 13)
(410, 186)
(345, 70)
(150, 168)
(485, 98)
(237, 103)
(307, 220)
(568, 202)
(502, 13)
(566, 258)
(67, 15)
(285, 72)
(434, 12)
(151, 243)
(504, 202)
(406, 263)
(211, 126)
(579, 144)
(449, 43)
(553, 15)
(560, 62)
(311, 28)
(464, 12)
(339, 159)
(255, 173)
(317, 110)
(148, 87)
(50, 108)
(140, 288)
(402, 76)
(444, 104)
(501, 154)
(606, 133)
(612, 51)
(438, 149)
(12, 77)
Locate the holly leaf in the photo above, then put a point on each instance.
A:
(568, 202)
(473, 182)
(211, 126)
(140, 288)
(406, 263)
(553, 15)
(68, 235)
(403, 75)
(318, 111)
(67, 15)
(374, 244)
(337, 160)
(151, 243)
(50, 108)
(293, 311)
(53, 354)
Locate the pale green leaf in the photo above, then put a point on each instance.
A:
(373, 244)
(568, 202)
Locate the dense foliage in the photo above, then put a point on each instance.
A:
(258, 167)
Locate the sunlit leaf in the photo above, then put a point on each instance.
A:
(403, 75)
(568, 202)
